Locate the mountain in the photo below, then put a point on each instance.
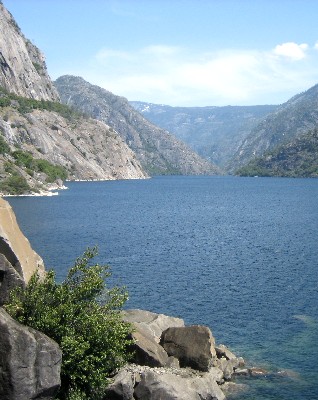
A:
(213, 132)
(22, 65)
(297, 158)
(42, 140)
(159, 152)
(292, 119)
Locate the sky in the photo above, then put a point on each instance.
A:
(179, 52)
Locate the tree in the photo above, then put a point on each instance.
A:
(83, 316)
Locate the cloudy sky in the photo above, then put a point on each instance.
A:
(179, 52)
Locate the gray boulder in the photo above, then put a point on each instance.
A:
(192, 345)
(147, 351)
(122, 388)
(9, 279)
(150, 323)
(166, 386)
(30, 362)
(223, 351)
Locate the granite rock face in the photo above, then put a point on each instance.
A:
(22, 65)
(87, 148)
(30, 362)
(18, 261)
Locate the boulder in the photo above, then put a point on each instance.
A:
(147, 351)
(30, 362)
(223, 351)
(192, 345)
(150, 323)
(16, 249)
(122, 388)
(167, 386)
(226, 366)
(9, 279)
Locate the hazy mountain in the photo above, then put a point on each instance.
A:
(213, 132)
(158, 151)
(298, 158)
(290, 120)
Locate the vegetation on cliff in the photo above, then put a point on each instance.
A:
(83, 316)
(18, 164)
(298, 158)
(25, 105)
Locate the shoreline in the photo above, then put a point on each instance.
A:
(42, 193)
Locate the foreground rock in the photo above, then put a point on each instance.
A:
(173, 361)
(193, 346)
(169, 387)
(30, 362)
(18, 261)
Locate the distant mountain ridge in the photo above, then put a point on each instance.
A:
(159, 152)
(292, 119)
(297, 158)
(213, 132)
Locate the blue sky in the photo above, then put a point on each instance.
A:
(179, 52)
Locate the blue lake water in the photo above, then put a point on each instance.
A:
(239, 255)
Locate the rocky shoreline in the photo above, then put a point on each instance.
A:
(171, 360)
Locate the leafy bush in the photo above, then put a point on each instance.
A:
(4, 147)
(23, 158)
(82, 315)
(15, 184)
(53, 172)
(26, 105)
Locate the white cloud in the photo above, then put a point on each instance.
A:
(291, 50)
(179, 76)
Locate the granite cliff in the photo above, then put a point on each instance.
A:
(159, 152)
(18, 261)
(35, 126)
(23, 69)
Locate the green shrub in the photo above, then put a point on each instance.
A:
(83, 316)
(53, 172)
(23, 158)
(15, 184)
(4, 147)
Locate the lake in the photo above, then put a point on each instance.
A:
(239, 255)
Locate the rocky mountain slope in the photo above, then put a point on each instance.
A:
(297, 158)
(159, 152)
(42, 140)
(22, 66)
(213, 132)
(292, 119)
